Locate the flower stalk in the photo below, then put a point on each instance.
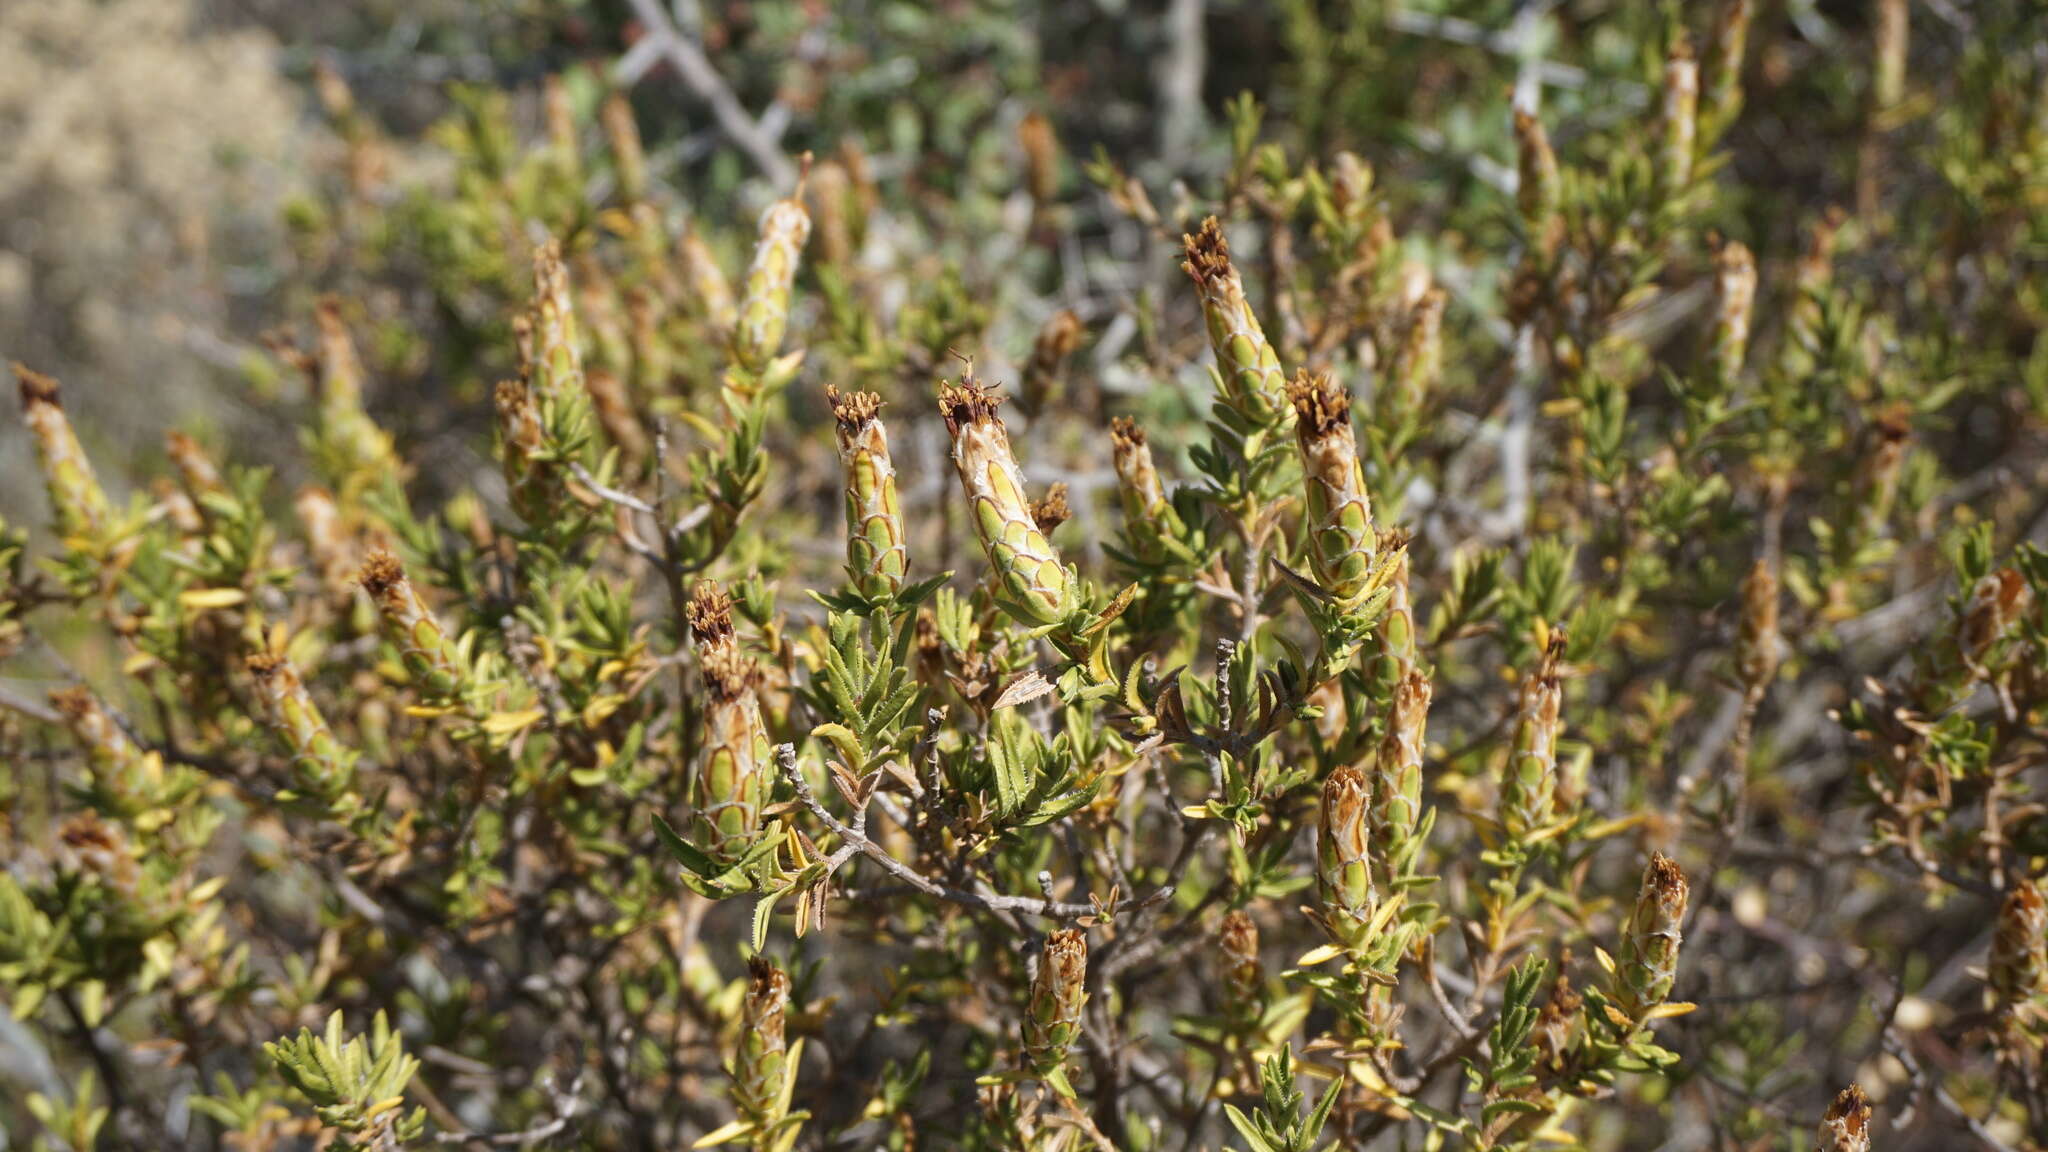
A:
(434, 661)
(80, 504)
(1647, 964)
(1052, 1017)
(764, 301)
(1253, 383)
(732, 780)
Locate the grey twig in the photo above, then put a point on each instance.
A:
(734, 120)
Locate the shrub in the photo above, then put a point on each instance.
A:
(1555, 671)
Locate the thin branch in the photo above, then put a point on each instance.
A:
(695, 68)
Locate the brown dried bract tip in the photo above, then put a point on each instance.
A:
(1893, 426)
(1053, 510)
(73, 703)
(1126, 433)
(1666, 880)
(509, 396)
(728, 672)
(1208, 252)
(36, 388)
(709, 613)
(853, 410)
(1846, 1127)
(381, 572)
(264, 665)
(1322, 404)
(967, 402)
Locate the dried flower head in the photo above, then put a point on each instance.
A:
(764, 300)
(1846, 1127)
(1528, 790)
(1678, 124)
(876, 554)
(1253, 382)
(1051, 510)
(1052, 1017)
(1046, 369)
(75, 495)
(760, 1069)
(2018, 968)
(706, 282)
(1339, 512)
(1034, 580)
(1757, 643)
(1397, 776)
(319, 760)
(1344, 879)
(1734, 300)
(432, 658)
(1244, 982)
(733, 778)
(1647, 963)
(1998, 602)
(1147, 512)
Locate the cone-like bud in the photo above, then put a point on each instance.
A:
(1419, 369)
(1647, 964)
(362, 447)
(1045, 371)
(1877, 472)
(529, 479)
(831, 202)
(328, 542)
(1339, 513)
(2018, 969)
(1253, 383)
(561, 121)
(1244, 982)
(75, 495)
(196, 471)
(732, 781)
(430, 656)
(764, 303)
(1396, 633)
(1344, 882)
(1846, 1127)
(1397, 777)
(1757, 643)
(1724, 68)
(1537, 186)
(1033, 578)
(1734, 300)
(622, 133)
(556, 373)
(106, 745)
(706, 281)
(321, 762)
(1528, 791)
(615, 413)
(1678, 125)
(1997, 603)
(1147, 511)
(1052, 1018)
(1041, 158)
(761, 1066)
(876, 554)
